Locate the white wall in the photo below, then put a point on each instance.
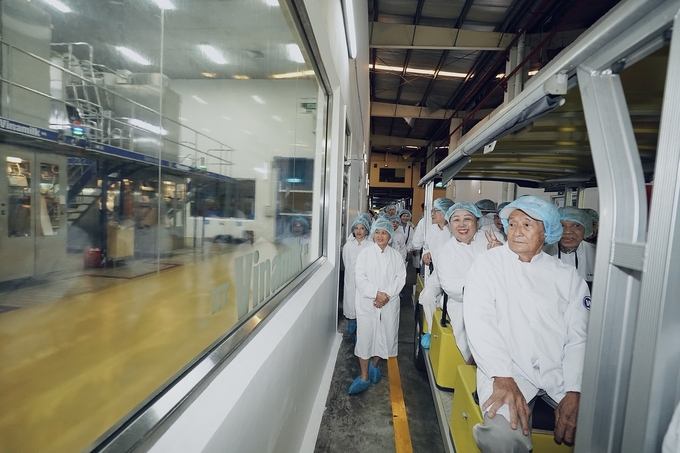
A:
(262, 400)
(499, 192)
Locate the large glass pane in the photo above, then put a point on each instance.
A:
(177, 149)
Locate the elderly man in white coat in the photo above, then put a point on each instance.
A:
(526, 316)
(437, 234)
(572, 248)
(380, 275)
(456, 258)
(356, 242)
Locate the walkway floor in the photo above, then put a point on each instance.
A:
(364, 423)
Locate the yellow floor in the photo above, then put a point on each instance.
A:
(72, 368)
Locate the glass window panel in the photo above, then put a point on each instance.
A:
(180, 188)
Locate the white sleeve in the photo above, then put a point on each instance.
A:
(449, 276)
(576, 318)
(479, 312)
(418, 237)
(365, 288)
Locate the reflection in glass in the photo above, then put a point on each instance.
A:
(19, 190)
(50, 210)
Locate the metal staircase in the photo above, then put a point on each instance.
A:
(82, 194)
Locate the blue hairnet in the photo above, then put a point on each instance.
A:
(443, 204)
(573, 214)
(394, 218)
(593, 215)
(383, 215)
(361, 220)
(383, 224)
(368, 219)
(502, 205)
(404, 211)
(302, 220)
(464, 206)
(537, 209)
(486, 205)
(388, 207)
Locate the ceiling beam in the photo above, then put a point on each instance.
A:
(386, 140)
(422, 37)
(385, 109)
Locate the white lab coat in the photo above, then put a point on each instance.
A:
(527, 321)
(408, 231)
(586, 258)
(435, 239)
(487, 219)
(499, 233)
(455, 261)
(430, 295)
(417, 242)
(350, 252)
(378, 328)
(398, 243)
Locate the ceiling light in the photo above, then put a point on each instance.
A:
(294, 53)
(210, 75)
(380, 67)
(272, 2)
(132, 55)
(14, 160)
(58, 5)
(212, 53)
(164, 4)
(293, 75)
(241, 77)
(147, 127)
(258, 99)
(533, 72)
(350, 29)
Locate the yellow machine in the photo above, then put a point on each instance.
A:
(466, 414)
(444, 354)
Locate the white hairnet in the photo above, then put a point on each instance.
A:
(574, 214)
(383, 224)
(443, 204)
(537, 209)
(465, 206)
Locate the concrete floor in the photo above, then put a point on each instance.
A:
(363, 423)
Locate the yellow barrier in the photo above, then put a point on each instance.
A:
(444, 353)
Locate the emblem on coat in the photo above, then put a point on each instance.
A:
(586, 302)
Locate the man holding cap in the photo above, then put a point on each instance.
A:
(526, 316)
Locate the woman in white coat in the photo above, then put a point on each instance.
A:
(456, 258)
(356, 242)
(380, 276)
(407, 229)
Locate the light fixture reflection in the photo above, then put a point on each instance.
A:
(213, 54)
(380, 67)
(199, 99)
(58, 5)
(293, 75)
(146, 126)
(294, 53)
(164, 4)
(132, 55)
(258, 99)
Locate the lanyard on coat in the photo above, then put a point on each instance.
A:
(559, 255)
(409, 232)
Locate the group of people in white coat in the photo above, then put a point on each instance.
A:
(519, 304)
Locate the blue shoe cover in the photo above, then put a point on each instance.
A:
(351, 326)
(374, 373)
(425, 341)
(359, 386)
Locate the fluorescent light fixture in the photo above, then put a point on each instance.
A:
(277, 118)
(294, 180)
(146, 126)
(293, 75)
(213, 54)
(350, 29)
(210, 75)
(14, 160)
(294, 53)
(241, 77)
(198, 99)
(132, 55)
(532, 73)
(271, 2)
(164, 4)
(381, 67)
(258, 99)
(58, 5)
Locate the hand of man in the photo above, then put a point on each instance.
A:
(381, 299)
(566, 415)
(493, 240)
(505, 391)
(427, 258)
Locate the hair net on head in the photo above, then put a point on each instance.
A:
(383, 215)
(388, 207)
(593, 214)
(363, 221)
(502, 205)
(443, 204)
(486, 205)
(574, 214)
(464, 206)
(302, 220)
(368, 219)
(395, 218)
(383, 224)
(404, 211)
(537, 209)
